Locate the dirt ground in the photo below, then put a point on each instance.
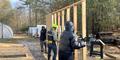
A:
(31, 43)
(34, 46)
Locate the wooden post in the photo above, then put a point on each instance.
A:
(58, 33)
(75, 18)
(68, 14)
(48, 21)
(75, 27)
(84, 27)
(59, 25)
(55, 18)
(52, 19)
(63, 16)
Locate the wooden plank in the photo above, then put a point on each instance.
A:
(28, 54)
(84, 27)
(75, 28)
(52, 19)
(75, 18)
(12, 56)
(115, 56)
(107, 54)
(55, 18)
(14, 52)
(63, 16)
(20, 58)
(49, 21)
(68, 14)
(59, 27)
(84, 18)
(10, 45)
(68, 6)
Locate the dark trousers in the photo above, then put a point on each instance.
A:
(52, 47)
(66, 55)
(43, 46)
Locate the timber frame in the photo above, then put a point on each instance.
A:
(52, 17)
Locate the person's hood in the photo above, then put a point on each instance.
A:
(69, 26)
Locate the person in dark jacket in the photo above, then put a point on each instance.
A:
(67, 42)
(42, 39)
(65, 48)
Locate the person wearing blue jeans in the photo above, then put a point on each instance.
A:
(52, 37)
(52, 47)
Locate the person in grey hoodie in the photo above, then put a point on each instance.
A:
(65, 48)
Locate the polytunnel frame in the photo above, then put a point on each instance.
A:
(7, 27)
(52, 17)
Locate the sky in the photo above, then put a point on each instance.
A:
(13, 3)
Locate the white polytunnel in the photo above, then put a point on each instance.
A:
(34, 30)
(5, 31)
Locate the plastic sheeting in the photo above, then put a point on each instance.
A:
(5, 31)
(32, 31)
(35, 30)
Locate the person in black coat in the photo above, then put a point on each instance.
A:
(69, 41)
(43, 38)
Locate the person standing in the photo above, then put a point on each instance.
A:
(52, 38)
(69, 41)
(42, 39)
